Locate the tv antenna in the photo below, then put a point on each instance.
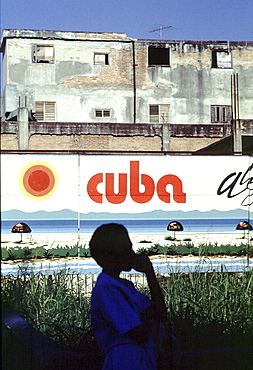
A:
(160, 29)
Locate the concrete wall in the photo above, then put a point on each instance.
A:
(112, 136)
(73, 81)
(189, 84)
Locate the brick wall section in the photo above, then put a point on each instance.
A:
(149, 143)
(94, 142)
(9, 142)
(190, 144)
(118, 73)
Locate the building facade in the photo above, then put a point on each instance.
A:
(106, 91)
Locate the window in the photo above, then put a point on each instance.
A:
(45, 111)
(220, 113)
(100, 113)
(158, 56)
(101, 58)
(221, 59)
(159, 113)
(42, 54)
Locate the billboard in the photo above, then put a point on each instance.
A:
(125, 183)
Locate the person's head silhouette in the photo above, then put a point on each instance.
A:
(111, 247)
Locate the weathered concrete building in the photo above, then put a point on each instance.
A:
(106, 91)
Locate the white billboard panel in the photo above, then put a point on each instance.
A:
(124, 183)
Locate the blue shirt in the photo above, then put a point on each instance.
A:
(116, 307)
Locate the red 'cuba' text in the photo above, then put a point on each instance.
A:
(135, 193)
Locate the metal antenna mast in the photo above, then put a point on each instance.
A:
(160, 29)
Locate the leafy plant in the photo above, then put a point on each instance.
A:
(47, 254)
(169, 237)
(142, 250)
(27, 253)
(12, 255)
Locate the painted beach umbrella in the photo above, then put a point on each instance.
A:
(244, 225)
(21, 228)
(175, 226)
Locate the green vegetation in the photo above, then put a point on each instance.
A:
(186, 247)
(205, 310)
(43, 251)
(202, 249)
(54, 304)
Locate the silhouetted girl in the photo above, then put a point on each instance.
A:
(123, 318)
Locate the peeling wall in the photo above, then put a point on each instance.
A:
(127, 85)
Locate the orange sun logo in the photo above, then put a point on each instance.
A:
(38, 180)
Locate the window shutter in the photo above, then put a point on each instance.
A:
(45, 111)
(229, 115)
(39, 111)
(99, 113)
(220, 113)
(212, 113)
(164, 113)
(224, 117)
(49, 111)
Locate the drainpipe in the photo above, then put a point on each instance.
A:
(134, 83)
(236, 123)
(23, 130)
(166, 137)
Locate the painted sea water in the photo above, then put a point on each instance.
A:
(142, 226)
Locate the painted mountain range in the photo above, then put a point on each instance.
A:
(157, 214)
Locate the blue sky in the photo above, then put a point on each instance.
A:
(190, 19)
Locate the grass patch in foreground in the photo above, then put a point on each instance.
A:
(205, 310)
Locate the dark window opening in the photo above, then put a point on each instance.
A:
(101, 58)
(214, 59)
(158, 56)
(154, 110)
(221, 59)
(42, 54)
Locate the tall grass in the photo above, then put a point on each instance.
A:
(202, 307)
(203, 298)
(54, 304)
(209, 310)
